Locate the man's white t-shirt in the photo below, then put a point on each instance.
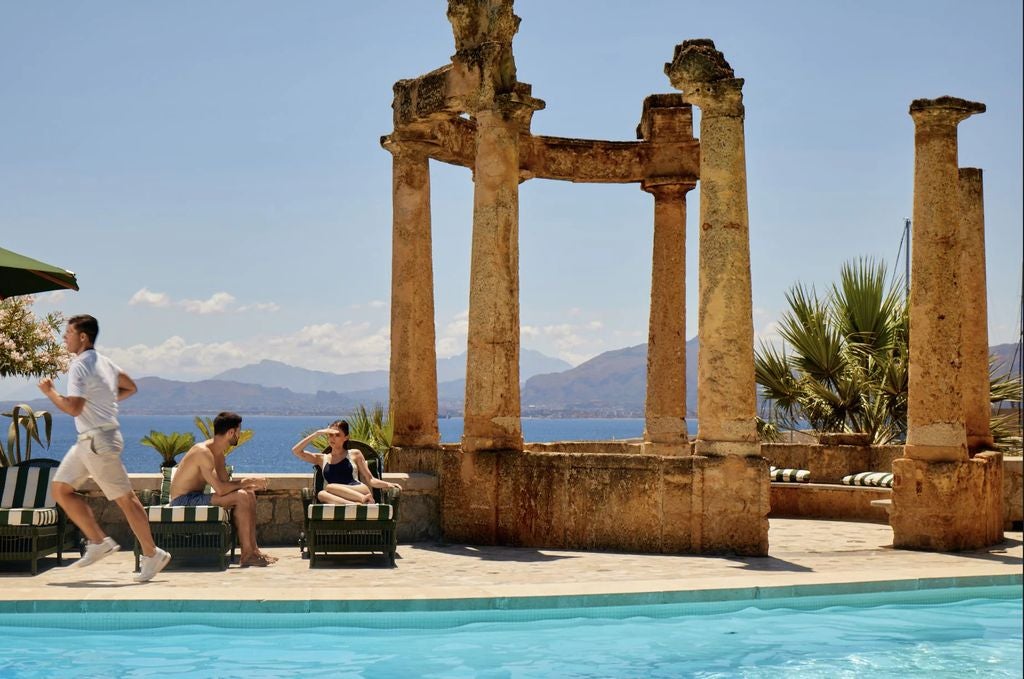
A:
(94, 378)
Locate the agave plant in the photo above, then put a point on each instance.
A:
(205, 427)
(168, 445)
(23, 417)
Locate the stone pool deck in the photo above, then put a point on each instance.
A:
(803, 552)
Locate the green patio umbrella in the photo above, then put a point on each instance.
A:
(21, 275)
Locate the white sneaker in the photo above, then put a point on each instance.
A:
(151, 565)
(94, 551)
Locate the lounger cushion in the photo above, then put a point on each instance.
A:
(874, 479)
(350, 512)
(790, 475)
(28, 517)
(201, 514)
(25, 487)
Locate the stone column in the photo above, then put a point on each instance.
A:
(726, 393)
(974, 374)
(941, 499)
(492, 411)
(413, 378)
(935, 404)
(733, 481)
(665, 410)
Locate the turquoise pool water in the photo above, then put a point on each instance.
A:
(861, 636)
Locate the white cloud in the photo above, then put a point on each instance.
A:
(348, 347)
(147, 297)
(375, 304)
(218, 302)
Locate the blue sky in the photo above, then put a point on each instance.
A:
(212, 171)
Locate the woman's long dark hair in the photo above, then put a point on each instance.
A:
(337, 424)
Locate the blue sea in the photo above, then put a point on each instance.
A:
(269, 450)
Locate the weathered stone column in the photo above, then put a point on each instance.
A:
(726, 396)
(935, 405)
(413, 377)
(734, 489)
(665, 410)
(492, 411)
(974, 375)
(941, 499)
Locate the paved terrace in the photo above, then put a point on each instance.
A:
(803, 552)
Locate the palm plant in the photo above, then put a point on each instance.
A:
(24, 417)
(168, 445)
(846, 368)
(374, 427)
(205, 427)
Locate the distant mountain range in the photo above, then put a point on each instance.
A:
(612, 384)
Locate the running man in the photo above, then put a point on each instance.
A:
(95, 385)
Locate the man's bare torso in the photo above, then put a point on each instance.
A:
(189, 477)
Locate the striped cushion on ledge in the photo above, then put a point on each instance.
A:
(874, 479)
(790, 475)
(350, 512)
(202, 513)
(28, 517)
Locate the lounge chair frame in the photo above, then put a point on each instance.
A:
(188, 539)
(31, 543)
(322, 537)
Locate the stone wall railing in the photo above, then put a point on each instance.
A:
(279, 508)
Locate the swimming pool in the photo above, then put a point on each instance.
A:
(945, 632)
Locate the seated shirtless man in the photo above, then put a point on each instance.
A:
(204, 464)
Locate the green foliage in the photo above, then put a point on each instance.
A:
(23, 417)
(30, 346)
(168, 445)
(844, 366)
(205, 427)
(373, 427)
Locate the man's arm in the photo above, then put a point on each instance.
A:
(125, 386)
(72, 405)
(208, 468)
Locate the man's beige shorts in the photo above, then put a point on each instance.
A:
(98, 455)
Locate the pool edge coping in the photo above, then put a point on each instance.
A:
(760, 596)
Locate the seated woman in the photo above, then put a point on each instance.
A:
(342, 468)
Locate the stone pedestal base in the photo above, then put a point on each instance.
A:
(625, 502)
(947, 506)
(735, 501)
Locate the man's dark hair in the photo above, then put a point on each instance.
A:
(87, 324)
(340, 424)
(225, 421)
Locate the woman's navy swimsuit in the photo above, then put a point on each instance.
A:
(340, 473)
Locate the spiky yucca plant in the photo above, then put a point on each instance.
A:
(844, 366)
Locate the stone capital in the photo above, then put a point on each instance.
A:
(667, 187)
(944, 111)
(705, 78)
(400, 147)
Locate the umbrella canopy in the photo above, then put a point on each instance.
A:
(21, 275)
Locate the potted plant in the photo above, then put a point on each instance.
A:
(23, 417)
(168, 445)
